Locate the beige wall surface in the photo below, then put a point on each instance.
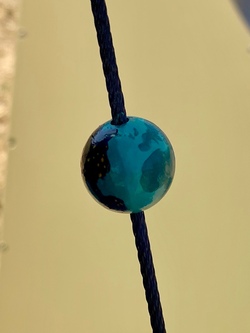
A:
(72, 265)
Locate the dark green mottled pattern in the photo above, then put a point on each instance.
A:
(154, 171)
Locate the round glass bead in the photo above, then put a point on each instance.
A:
(129, 167)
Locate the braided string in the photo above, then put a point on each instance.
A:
(118, 112)
(148, 272)
(110, 69)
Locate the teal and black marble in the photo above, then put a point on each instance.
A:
(130, 167)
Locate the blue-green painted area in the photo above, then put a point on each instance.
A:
(130, 167)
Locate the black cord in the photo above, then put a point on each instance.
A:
(119, 117)
(148, 272)
(110, 69)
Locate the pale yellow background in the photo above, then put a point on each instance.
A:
(72, 265)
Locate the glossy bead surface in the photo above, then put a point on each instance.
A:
(130, 167)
